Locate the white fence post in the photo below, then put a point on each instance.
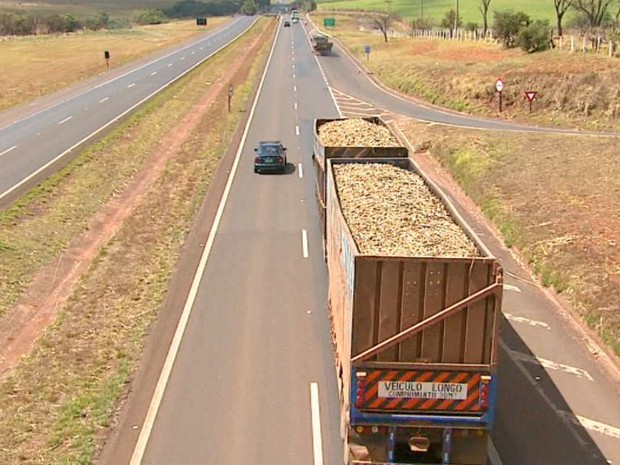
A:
(572, 44)
(584, 44)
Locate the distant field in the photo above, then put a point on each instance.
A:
(436, 9)
(34, 66)
(85, 8)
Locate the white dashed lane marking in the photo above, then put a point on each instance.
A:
(551, 365)
(527, 321)
(8, 150)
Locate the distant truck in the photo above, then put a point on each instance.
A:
(295, 16)
(415, 334)
(321, 44)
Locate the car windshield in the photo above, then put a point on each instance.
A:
(270, 150)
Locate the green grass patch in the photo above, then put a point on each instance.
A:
(435, 10)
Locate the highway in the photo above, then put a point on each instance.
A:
(249, 377)
(254, 334)
(34, 145)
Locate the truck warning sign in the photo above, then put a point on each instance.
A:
(422, 390)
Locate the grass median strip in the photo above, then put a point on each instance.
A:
(57, 404)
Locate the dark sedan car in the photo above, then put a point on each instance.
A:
(270, 157)
(287, 24)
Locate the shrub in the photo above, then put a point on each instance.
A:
(535, 37)
(508, 24)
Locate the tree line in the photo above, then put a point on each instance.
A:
(517, 29)
(32, 23)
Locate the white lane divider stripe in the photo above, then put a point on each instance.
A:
(527, 321)
(169, 65)
(596, 426)
(301, 171)
(304, 243)
(153, 73)
(295, 105)
(294, 88)
(131, 85)
(551, 365)
(317, 441)
(296, 130)
(104, 99)
(65, 120)
(8, 150)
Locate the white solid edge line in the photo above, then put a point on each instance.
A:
(115, 79)
(494, 457)
(116, 118)
(317, 441)
(8, 150)
(304, 243)
(301, 170)
(158, 394)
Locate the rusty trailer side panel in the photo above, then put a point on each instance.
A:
(409, 313)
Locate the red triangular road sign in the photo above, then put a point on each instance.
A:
(530, 95)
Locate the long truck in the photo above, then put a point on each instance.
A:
(415, 343)
(321, 44)
(323, 152)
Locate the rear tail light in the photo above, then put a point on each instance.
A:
(484, 391)
(361, 389)
(256, 159)
(280, 160)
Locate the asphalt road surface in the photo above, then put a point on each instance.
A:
(34, 145)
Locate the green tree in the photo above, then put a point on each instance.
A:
(450, 20)
(249, 7)
(508, 24)
(594, 10)
(152, 17)
(535, 37)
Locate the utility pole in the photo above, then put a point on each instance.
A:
(456, 19)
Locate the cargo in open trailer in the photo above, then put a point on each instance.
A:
(368, 137)
(414, 300)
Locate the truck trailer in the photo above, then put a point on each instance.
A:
(349, 145)
(414, 332)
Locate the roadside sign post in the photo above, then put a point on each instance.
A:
(367, 52)
(329, 22)
(530, 95)
(499, 86)
(106, 55)
(230, 94)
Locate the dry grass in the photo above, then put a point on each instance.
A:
(56, 406)
(555, 198)
(27, 73)
(574, 90)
